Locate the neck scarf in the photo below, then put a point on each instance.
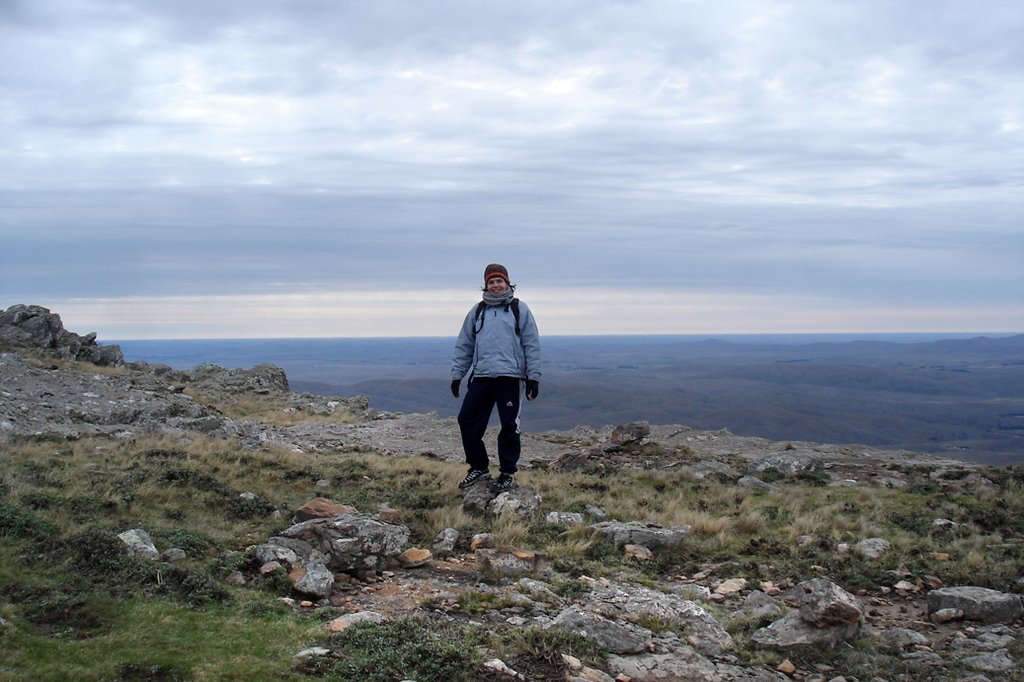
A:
(500, 299)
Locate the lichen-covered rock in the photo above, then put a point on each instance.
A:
(632, 602)
(618, 638)
(646, 533)
(140, 544)
(793, 633)
(351, 543)
(521, 501)
(977, 603)
(823, 603)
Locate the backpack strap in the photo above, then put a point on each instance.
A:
(479, 316)
(515, 312)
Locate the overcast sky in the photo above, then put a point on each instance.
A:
(223, 168)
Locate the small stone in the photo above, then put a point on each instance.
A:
(932, 582)
(638, 553)
(572, 662)
(389, 515)
(173, 555)
(498, 666)
(350, 619)
(481, 541)
(236, 578)
(906, 586)
(270, 567)
(940, 556)
(731, 586)
(873, 548)
(413, 557)
(321, 508)
(786, 667)
(947, 615)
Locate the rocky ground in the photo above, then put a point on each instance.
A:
(46, 390)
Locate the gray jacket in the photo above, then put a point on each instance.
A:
(490, 347)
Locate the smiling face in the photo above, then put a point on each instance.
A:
(497, 285)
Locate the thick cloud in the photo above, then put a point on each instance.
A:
(866, 153)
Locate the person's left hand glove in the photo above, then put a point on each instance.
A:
(455, 387)
(532, 388)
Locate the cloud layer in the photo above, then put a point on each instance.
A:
(863, 155)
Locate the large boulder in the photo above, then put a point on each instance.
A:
(977, 603)
(827, 616)
(349, 543)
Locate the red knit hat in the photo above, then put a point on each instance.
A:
(496, 270)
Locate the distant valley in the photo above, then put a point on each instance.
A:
(960, 397)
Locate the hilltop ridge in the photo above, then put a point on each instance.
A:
(140, 397)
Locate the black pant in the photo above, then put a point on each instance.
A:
(482, 394)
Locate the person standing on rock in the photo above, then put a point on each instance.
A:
(499, 347)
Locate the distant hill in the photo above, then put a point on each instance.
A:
(959, 397)
(962, 397)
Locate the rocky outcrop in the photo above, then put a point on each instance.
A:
(36, 329)
(66, 402)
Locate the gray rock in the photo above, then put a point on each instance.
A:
(650, 535)
(349, 619)
(789, 463)
(447, 539)
(983, 641)
(140, 544)
(507, 560)
(631, 433)
(991, 662)
(823, 603)
(564, 519)
(793, 633)
(687, 665)
(352, 542)
(614, 637)
(977, 603)
(902, 638)
(630, 602)
(316, 582)
(692, 591)
(759, 605)
(873, 548)
(754, 483)
(478, 496)
(173, 555)
(521, 501)
(538, 590)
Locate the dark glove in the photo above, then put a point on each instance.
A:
(455, 387)
(532, 388)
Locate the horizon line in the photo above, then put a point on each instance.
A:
(702, 335)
